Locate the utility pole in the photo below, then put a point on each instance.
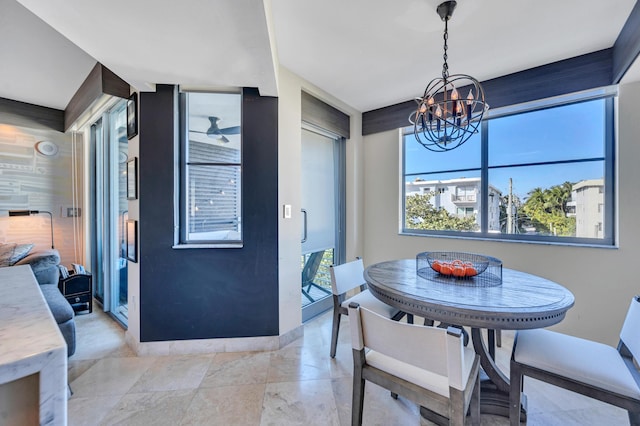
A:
(510, 208)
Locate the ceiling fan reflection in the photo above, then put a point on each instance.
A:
(215, 132)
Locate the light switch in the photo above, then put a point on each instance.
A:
(287, 211)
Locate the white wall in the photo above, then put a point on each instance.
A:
(289, 192)
(603, 280)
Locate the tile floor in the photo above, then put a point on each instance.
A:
(297, 385)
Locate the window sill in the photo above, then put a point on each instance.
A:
(511, 240)
(208, 245)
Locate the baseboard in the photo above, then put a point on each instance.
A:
(202, 346)
(290, 336)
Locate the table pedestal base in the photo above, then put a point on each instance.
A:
(492, 401)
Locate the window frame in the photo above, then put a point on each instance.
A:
(181, 240)
(609, 95)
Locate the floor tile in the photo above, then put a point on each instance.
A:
(150, 408)
(237, 368)
(307, 402)
(110, 376)
(89, 411)
(298, 363)
(228, 405)
(173, 373)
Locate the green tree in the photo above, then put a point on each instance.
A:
(547, 209)
(420, 214)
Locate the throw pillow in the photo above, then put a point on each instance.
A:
(11, 253)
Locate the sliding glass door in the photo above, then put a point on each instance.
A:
(110, 210)
(322, 207)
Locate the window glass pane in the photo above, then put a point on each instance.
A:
(212, 168)
(443, 202)
(213, 206)
(208, 152)
(565, 132)
(214, 120)
(419, 159)
(561, 200)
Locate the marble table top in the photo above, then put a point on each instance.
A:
(31, 342)
(522, 301)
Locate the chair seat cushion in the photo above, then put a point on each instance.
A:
(369, 301)
(423, 378)
(589, 362)
(426, 379)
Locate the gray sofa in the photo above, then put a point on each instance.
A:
(44, 264)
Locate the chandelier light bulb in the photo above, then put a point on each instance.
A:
(454, 94)
(470, 97)
(423, 108)
(430, 101)
(438, 112)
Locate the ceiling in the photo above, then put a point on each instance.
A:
(367, 53)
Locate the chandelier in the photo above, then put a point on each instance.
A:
(446, 118)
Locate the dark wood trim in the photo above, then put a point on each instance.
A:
(323, 115)
(627, 46)
(100, 81)
(557, 78)
(387, 118)
(22, 114)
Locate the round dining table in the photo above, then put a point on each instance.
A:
(515, 301)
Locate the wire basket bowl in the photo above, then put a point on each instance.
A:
(460, 268)
(457, 264)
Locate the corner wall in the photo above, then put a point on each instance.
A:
(603, 280)
(188, 294)
(289, 190)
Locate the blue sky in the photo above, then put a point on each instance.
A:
(553, 134)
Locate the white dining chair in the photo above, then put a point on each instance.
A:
(427, 365)
(592, 369)
(347, 277)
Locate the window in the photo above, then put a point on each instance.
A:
(210, 169)
(546, 173)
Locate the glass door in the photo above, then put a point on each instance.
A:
(321, 218)
(110, 210)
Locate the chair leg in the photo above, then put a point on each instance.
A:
(474, 405)
(357, 403)
(457, 412)
(334, 332)
(514, 394)
(499, 338)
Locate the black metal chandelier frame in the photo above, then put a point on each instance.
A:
(444, 119)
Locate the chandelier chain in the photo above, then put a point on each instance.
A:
(445, 66)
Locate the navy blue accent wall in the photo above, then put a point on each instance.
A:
(208, 293)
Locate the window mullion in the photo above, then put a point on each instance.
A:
(484, 177)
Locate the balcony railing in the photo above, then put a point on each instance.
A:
(469, 198)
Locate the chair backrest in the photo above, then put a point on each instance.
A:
(347, 276)
(433, 349)
(630, 334)
(311, 267)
